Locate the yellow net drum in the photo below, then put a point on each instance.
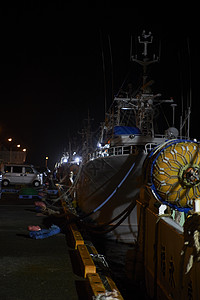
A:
(173, 171)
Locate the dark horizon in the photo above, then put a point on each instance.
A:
(52, 72)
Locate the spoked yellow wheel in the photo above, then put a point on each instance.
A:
(174, 169)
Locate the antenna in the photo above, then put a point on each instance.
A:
(131, 47)
(145, 39)
(111, 62)
(159, 54)
(186, 121)
(173, 105)
(104, 73)
(189, 59)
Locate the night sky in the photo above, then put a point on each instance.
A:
(51, 71)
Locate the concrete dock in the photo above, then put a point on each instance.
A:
(34, 269)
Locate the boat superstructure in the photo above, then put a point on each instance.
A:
(109, 180)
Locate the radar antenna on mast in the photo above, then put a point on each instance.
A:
(145, 39)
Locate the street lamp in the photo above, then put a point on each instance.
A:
(46, 160)
(10, 140)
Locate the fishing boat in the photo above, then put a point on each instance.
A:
(168, 252)
(109, 180)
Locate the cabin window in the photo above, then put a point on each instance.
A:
(7, 169)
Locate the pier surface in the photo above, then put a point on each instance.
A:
(32, 269)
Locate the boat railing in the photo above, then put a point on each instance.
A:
(165, 136)
(148, 147)
(116, 151)
(126, 150)
(122, 150)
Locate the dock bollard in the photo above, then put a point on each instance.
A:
(87, 264)
(96, 286)
(76, 237)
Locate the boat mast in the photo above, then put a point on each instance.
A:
(145, 39)
(145, 111)
(142, 101)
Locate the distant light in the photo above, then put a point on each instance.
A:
(18, 146)
(24, 150)
(64, 159)
(47, 157)
(77, 160)
(10, 139)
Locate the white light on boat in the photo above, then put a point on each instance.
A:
(162, 209)
(99, 145)
(196, 205)
(65, 160)
(107, 146)
(77, 159)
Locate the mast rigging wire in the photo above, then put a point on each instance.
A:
(104, 73)
(111, 62)
(189, 61)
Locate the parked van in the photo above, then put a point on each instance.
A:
(20, 174)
